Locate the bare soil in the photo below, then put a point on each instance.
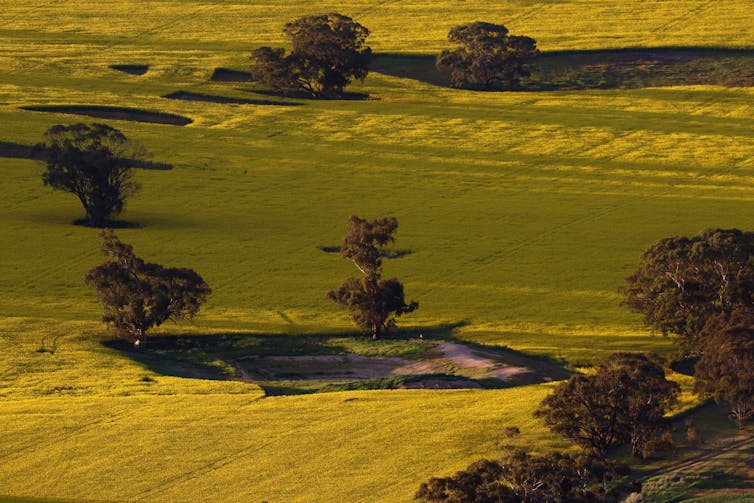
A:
(464, 367)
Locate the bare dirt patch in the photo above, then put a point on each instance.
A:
(447, 365)
(117, 113)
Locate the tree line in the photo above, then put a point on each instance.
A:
(329, 51)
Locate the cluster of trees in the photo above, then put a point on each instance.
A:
(139, 295)
(520, 477)
(95, 162)
(623, 402)
(700, 291)
(329, 52)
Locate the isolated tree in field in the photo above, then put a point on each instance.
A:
(328, 53)
(624, 401)
(682, 282)
(488, 57)
(95, 163)
(373, 301)
(139, 295)
(726, 369)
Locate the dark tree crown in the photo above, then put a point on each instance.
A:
(374, 302)
(726, 368)
(624, 401)
(328, 53)
(488, 58)
(139, 295)
(94, 162)
(683, 282)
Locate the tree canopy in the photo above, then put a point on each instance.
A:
(520, 477)
(373, 301)
(328, 53)
(726, 368)
(139, 295)
(488, 57)
(94, 162)
(682, 282)
(624, 401)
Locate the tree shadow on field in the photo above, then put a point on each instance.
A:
(36, 153)
(284, 364)
(628, 68)
(109, 224)
(345, 96)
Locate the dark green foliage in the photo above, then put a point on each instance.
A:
(650, 396)
(93, 161)
(328, 53)
(682, 282)
(522, 477)
(374, 302)
(726, 369)
(489, 58)
(624, 401)
(139, 295)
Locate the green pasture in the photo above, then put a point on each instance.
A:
(522, 212)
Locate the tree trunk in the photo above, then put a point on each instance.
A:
(140, 338)
(375, 332)
(95, 218)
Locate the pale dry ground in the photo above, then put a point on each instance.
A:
(444, 357)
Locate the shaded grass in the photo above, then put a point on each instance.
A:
(131, 69)
(228, 356)
(32, 152)
(603, 69)
(189, 96)
(117, 113)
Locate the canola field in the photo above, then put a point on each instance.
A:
(522, 212)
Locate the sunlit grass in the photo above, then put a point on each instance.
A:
(523, 212)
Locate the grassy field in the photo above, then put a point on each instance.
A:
(522, 212)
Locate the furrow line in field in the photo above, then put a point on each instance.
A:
(526, 13)
(214, 465)
(35, 8)
(162, 26)
(75, 263)
(374, 7)
(689, 14)
(542, 237)
(66, 434)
